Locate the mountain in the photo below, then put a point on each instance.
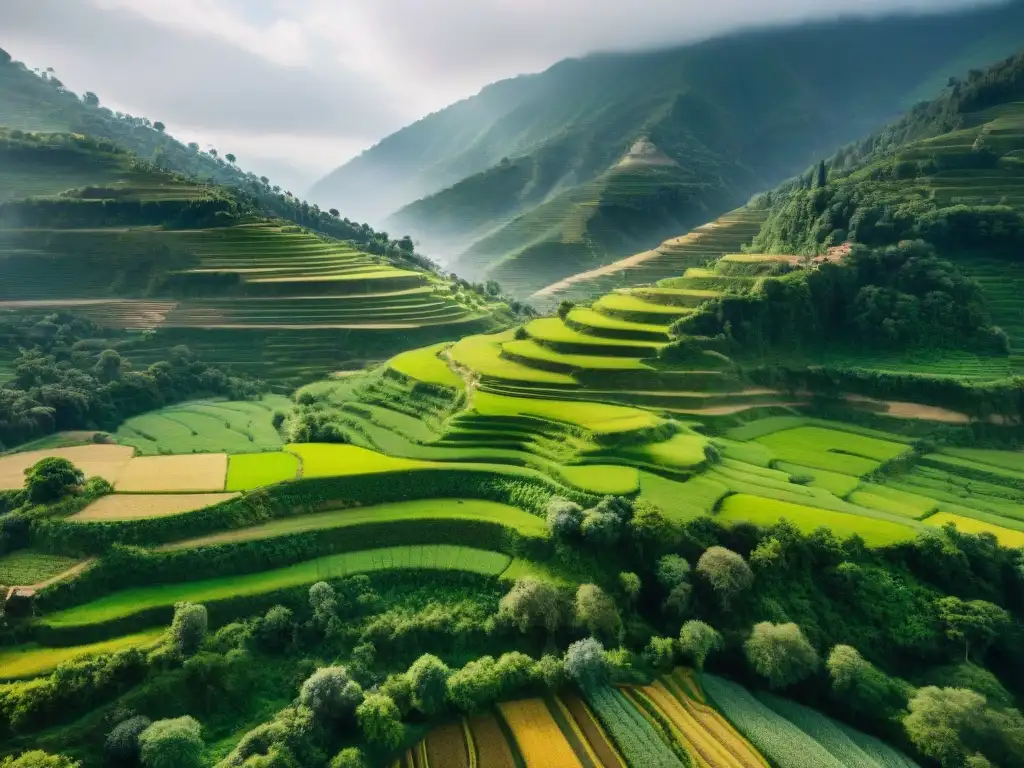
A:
(530, 180)
(184, 249)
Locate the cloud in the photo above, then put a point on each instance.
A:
(304, 84)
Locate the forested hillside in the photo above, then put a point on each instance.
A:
(182, 248)
(533, 179)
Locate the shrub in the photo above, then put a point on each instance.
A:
(122, 744)
(585, 662)
(726, 572)
(348, 758)
(331, 694)
(780, 653)
(564, 518)
(380, 721)
(660, 653)
(698, 640)
(39, 759)
(174, 743)
(428, 676)
(596, 611)
(51, 479)
(188, 628)
(532, 602)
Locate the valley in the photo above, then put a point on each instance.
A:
(276, 490)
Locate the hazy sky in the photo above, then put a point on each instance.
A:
(296, 87)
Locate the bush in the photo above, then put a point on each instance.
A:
(698, 640)
(331, 694)
(39, 759)
(428, 676)
(380, 721)
(175, 743)
(51, 479)
(585, 662)
(348, 758)
(188, 628)
(122, 745)
(726, 572)
(780, 653)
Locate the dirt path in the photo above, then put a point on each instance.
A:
(903, 410)
(468, 378)
(72, 571)
(628, 263)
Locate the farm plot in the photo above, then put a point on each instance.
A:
(681, 451)
(785, 745)
(426, 509)
(426, 365)
(106, 461)
(207, 426)
(329, 460)
(834, 451)
(32, 660)
(25, 567)
(540, 740)
(255, 470)
(427, 557)
(829, 735)
(886, 499)
(582, 719)
(1012, 460)
(446, 746)
(682, 501)
(594, 417)
(636, 738)
(193, 473)
(1006, 536)
(136, 506)
(744, 508)
(604, 479)
(482, 355)
(839, 484)
(492, 748)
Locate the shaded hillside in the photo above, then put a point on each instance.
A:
(88, 228)
(737, 114)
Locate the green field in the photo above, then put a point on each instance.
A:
(206, 426)
(482, 355)
(426, 557)
(1007, 537)
(604, 479)
(32, 660)
(327, 460)
(24, 567)
(743, 508)
(595, 417)
(254, 470)
(834, 451)
(426, 509)
(427, 366)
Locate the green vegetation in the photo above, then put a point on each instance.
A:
(26, 567)
(428, 557)
(257, 470)
(206, 427)
(330, 460)
(427, 366)
(26, 661)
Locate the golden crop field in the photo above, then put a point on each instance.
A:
(192, 473)
(446, 746)
(492, 749)
(541, 742)
(135, 506)
(106, 461)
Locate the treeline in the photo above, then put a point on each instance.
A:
(67, 377)
(893, 297)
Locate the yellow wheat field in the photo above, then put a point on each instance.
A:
(491, 747)
(192, 473)
(540, 740)
(446, 746)
(135, 506)
(106, 461)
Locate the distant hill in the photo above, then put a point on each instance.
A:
(252, 279)
(525, 182)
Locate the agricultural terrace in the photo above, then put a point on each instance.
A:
(194, 473)
(206, 427)
(128, 602)
(32, 660)
(672, 722)
(137, 506)
(106, 461)
(25, 567)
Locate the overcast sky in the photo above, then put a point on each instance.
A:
(296, 87)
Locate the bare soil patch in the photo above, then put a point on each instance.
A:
(135, 506)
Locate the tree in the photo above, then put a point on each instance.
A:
(596, 611)
(429, 677)
(674, 576)
(698, 640)
(565, 307)
(780, 653)
(350, 757)
(601, 527)
(629, 585)
(380, 721)
(938, 720)
(159, 127)
(861, 687)
(331, 694)
(650, 531)
(212, 151)
(188, 628)
(534, 603)
(323, 601)
(51, 479)
(175, 743)
(274, 631)
(230, 158)
(108, 367)
(585, 662)
(122, 744)
(660, 653)
(334, 212)
(822, 178)
(90, 99)
(475, 686)
(726, 572)
(39, 759)
(564, 518)
(5, 57)
(974, 622)
(194, 146)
